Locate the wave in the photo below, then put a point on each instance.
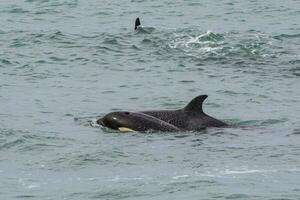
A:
(283, 36)
(226, 46)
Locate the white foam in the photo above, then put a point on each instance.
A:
(225, 172)
(208, 174)
(31, 186)
(118, 179)
(247, 171)
(180, 176)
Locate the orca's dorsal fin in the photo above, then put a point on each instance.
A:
(195, 106)
(137, 23)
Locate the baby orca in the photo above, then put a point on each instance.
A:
(131, 121)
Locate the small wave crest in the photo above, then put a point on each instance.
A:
(87, 121)
(25, 141)
(144, 30)
(261, 123)
(228, 172)
(287, 36)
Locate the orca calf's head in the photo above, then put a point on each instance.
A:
(132, 121)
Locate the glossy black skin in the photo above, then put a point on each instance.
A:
(186, 120)
(136, 121)
(137, 23)
(190, 118)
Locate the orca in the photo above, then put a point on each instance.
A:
(131, 121)
(189, 118)
(141, 29)
(137, 23)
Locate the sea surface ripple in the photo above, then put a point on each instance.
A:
(65, 63)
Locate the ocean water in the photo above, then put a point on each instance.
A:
(65, 63)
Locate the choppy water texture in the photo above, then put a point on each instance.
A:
(64, 63)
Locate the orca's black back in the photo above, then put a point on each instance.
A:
(174, 117)
(186, 120)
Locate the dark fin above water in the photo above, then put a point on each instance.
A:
(195, 106)
(137, 23)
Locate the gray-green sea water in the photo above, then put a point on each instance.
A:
(65, 63)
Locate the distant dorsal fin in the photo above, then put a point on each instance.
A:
(195, 106)
(137, 23)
